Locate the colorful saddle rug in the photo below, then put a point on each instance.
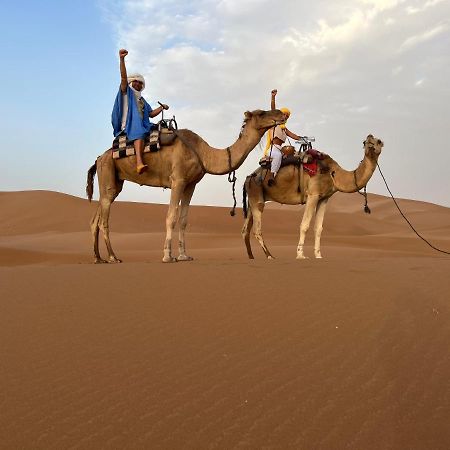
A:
(310, 160)
(122, 147)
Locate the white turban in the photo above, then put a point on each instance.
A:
(136, 77)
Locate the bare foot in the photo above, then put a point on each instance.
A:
(141, 168)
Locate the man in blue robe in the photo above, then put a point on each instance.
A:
(131, 112)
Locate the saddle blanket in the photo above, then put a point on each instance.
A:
(308, 159)
(122, 147)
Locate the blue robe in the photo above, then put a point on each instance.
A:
(135, 127)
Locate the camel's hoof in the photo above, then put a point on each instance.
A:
(114, 261)
(185, 258)
(318, 256)
(100, 261)
(169, 259)
(301, 257)
(270, 257)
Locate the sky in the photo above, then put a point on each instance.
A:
(345, 68)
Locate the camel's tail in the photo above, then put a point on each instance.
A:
(244, 197)
(90, 181)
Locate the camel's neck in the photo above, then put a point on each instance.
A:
(221, 161)
(354, 180)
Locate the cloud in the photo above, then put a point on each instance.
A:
(427, 35)
(421, 8)
(344, 68)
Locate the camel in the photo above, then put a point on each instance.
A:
(179, 166)
(315, 192)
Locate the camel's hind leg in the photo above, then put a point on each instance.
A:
(105, 204)
(109, 187)
(256, 203)
(182, 221)
(257, 211)
(95, 231)
(246, 230)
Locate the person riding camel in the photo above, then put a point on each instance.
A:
(275, 140)
(131, 112)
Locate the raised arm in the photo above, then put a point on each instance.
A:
(272, 101)
(123, 71)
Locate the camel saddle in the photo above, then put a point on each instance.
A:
(158, 137)
(309, 159)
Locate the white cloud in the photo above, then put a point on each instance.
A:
(427, 35)
(422, 7)
(342, 67)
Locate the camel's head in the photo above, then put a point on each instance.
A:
(372, 147)
(263, 120)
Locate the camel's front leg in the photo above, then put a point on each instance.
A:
(171, 220)
(184, 209)
(318, 225)
(310, 210)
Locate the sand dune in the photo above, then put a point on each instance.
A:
(348, 352)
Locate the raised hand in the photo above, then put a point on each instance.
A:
(123, 53)
(274, 92)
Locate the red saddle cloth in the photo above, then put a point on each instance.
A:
(312, 167)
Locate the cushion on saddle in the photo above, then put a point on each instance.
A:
(122, 147)
(308, 160)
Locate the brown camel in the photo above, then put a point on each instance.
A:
(180, 167)
(315, 192)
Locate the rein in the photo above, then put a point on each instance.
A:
(232, 179)
(364, 194)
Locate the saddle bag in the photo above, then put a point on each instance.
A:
(288, 150)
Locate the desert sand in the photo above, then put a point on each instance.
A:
(347, 352)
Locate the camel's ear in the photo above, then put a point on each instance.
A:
(248, 115)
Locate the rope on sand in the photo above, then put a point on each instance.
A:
(403, 215)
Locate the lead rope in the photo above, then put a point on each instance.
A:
(232, 179)
(409, 223)
(364, 194)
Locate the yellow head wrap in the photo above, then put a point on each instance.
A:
(270, 132)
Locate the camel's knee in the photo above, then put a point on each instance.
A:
(304, 227)
(318, 230)
(171, 221)
(259, 237)
(246, 229)
(94, 221)
(104, 228)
